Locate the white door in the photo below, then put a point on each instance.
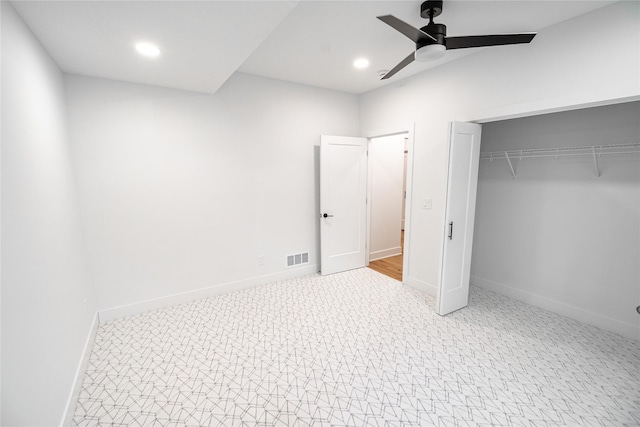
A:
(343, 203)
(464, 155)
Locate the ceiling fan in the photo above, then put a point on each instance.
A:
(432, 41)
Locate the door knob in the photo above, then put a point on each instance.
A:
(326, 215)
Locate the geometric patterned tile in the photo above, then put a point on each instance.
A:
(357, 349)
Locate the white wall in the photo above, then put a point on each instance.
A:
(48, 303)
(386, 160)
(182, 192)
(557, 235)
(557, 70)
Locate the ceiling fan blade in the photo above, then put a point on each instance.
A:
(406, 61)
(489, 40)
(418, 36)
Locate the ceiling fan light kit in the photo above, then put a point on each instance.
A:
(432, 42)
(430, 52)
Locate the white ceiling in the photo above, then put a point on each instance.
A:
(202, 42)
(309, 42)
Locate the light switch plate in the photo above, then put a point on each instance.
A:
(426, 203)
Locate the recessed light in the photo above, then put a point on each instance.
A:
(361, 63)
(148, 49)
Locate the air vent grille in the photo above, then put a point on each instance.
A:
(297, 259)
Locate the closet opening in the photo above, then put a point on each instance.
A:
(558, 213)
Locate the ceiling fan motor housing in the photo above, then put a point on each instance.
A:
(437, 31)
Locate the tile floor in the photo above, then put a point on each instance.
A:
(357, 349)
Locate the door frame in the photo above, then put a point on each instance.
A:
(407, 129)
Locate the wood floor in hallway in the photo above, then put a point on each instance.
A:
(391, 266)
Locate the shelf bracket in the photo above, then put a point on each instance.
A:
(506, 155)
(595, 161)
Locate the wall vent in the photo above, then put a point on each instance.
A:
(297, 259)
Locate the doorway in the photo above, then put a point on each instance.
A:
(387, 194)
(345, 192)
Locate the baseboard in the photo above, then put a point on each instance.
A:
(567, 310)
(224, 288)
(385, 253)
(67, 417)
(420, 285)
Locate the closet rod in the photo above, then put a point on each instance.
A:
(588, 150)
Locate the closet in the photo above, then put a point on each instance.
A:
(558, 214)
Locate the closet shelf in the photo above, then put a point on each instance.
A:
(595, 151)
